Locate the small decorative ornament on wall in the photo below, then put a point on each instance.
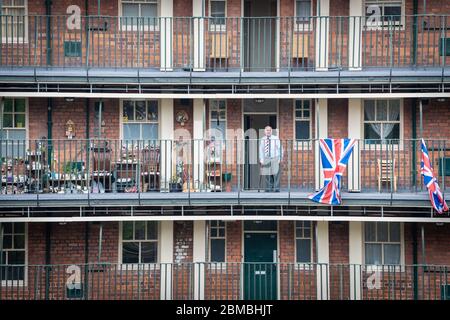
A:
(70, 129)
(181, 117)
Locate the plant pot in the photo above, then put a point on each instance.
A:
(226, 177)
(175, 187)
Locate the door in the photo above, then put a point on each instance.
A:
(252, 177)
(259, 34)
(260, 269)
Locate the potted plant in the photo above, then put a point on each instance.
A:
(176, 184)
(226, 178)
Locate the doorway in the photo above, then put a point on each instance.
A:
(256, 117)
(260, 35)
(260, 256)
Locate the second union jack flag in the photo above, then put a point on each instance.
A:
(334, 154)
(430, 181)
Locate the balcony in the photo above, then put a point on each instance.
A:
(188, 172)
(233, 50)
(224, 281)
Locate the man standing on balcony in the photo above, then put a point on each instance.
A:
(270, 155)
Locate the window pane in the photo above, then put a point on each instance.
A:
(141, 111)
(8, 120)
(7, 242)
(373, 254)
(149, 131)
(8, 105)
(152, 231)
(369, 110)
(217, 8)
(149, 252)
(127, 231)
(16, 257)
(19, 227)
(19, 241)
(128, 110)
(217, 250)
(382, 231)
(131, 131)
(303, 250)
(307, 230)
(7, 227)
(394, 110)
(19, 105)
(394, 232)
(19, 121)
(149, 10)
(152, 114)
(130, 252)
(139, 230)
(391, 131)
(302, 130)
(369, 231)
(392, 254)
(17, 135)
(370, 131)
(381, 110)
(392, 11)
(130, 10)
(222, 232)
(303, 9)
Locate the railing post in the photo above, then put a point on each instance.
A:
(166, 34)
(198, 20)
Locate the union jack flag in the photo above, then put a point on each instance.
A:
(334, 154)
(430, 181)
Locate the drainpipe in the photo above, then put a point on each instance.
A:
(415, 31)
(48, 260)
(48, 12)
(49, 131)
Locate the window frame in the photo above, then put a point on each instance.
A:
(303, 26)
(374, 267)
(26, 126)
(122, 122)
(217, 264)
(212, 27)
(125, 27)
(384, 24)
(307, 144)
(140, 265)
(304, 265)
(19, 40)
(24, 282)
(399, 145)
(210, 105)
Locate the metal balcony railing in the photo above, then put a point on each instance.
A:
(81, 166)
(224, 281)
(225, 44)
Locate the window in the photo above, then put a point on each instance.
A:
(13, 252)
(303, 241)
(99, 122)
(384, 12)
(302, 119)
(14, 127)
(217, 241)
(218, 14)
(140, 121)
(14, 20)
(382, 243)
(381, 120)
(139, 242)
(139, 12)
(302, 11)
(218, 119)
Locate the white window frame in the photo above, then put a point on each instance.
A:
(372, 267)
(125, 27)
(216, 264)
(24, 282)
(304, 265)
(217, 27)
(140, 266)
(367, 146)
(17, 40)
(121, 122)
(26, 127)
(305, 26)
(218, 101)
(305, 146)
(383, 24)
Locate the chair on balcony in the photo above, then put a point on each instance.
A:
(150, 170)
(386, 173)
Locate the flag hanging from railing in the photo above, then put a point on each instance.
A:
(334, 154)
(430, 181)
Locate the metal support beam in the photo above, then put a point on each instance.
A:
(422, 233)
(100, 240)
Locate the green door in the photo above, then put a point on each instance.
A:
(260, 271)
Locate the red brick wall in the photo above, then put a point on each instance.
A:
(338, 118)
